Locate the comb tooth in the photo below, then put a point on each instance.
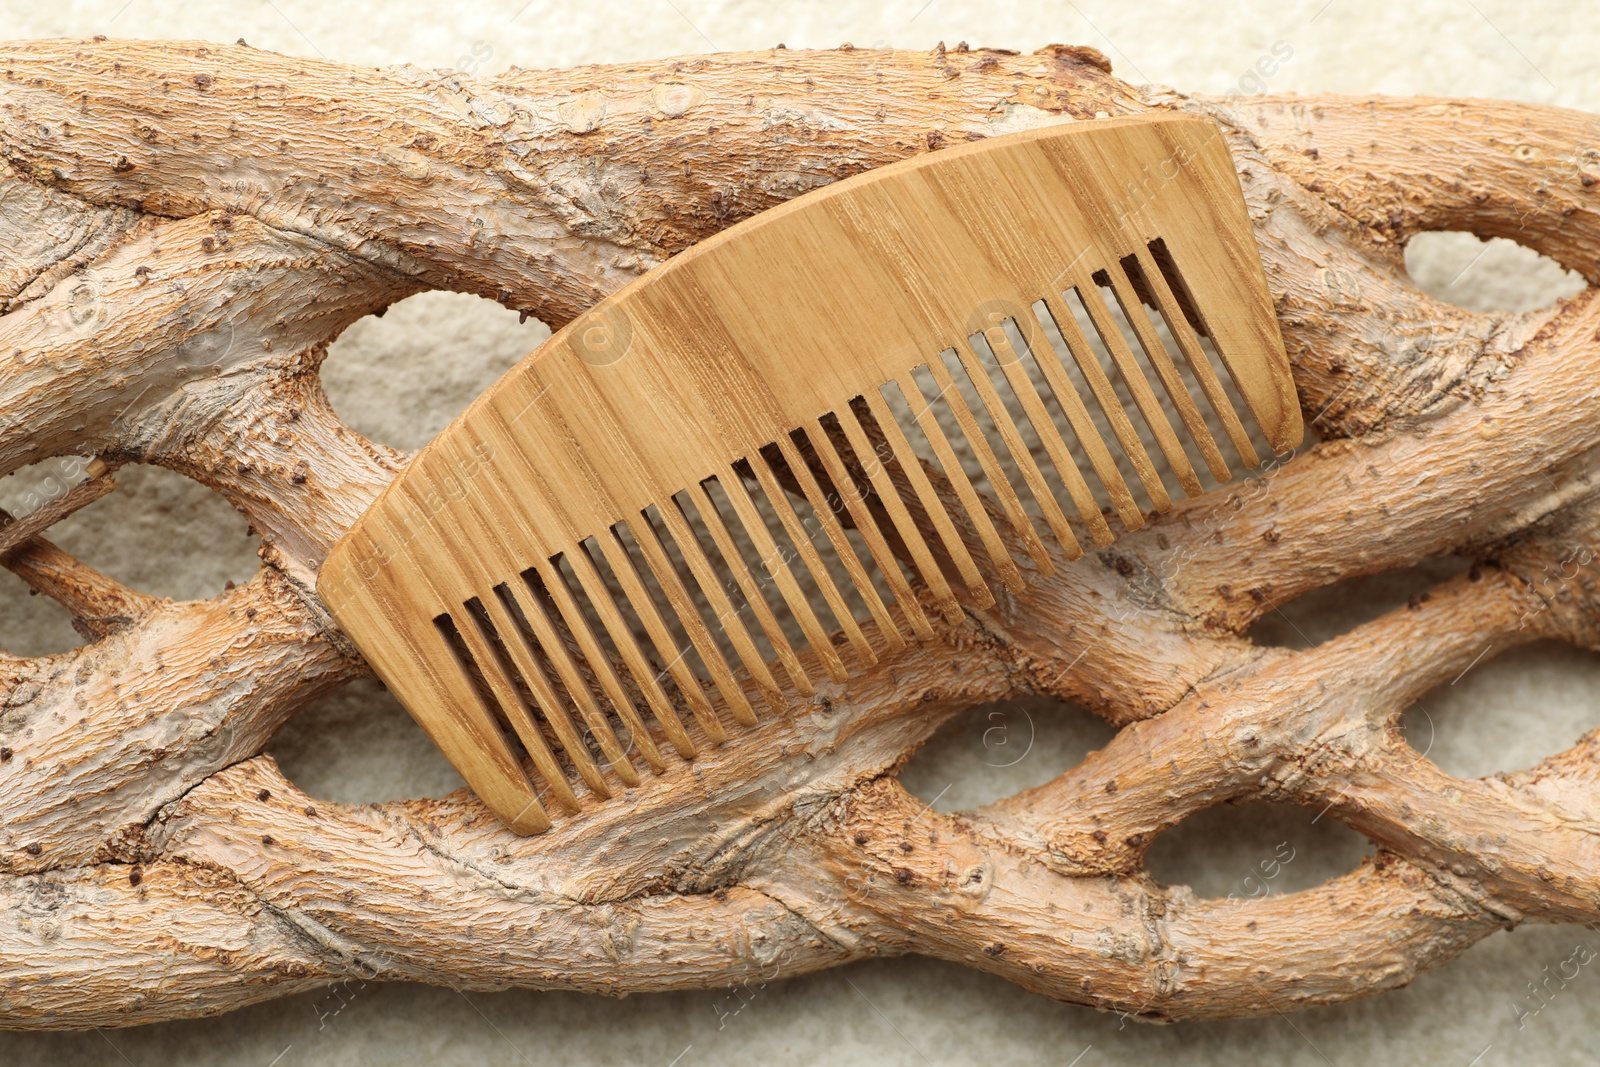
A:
(571, 675)
(644, 605)
(749, 587)
(1031, 474)
(744, 506)
(632, 655)
(659, 634)
(1178, 325)
(991, 465)
(922, 411)
(506, 693)
(1106, 396)
(1161, 360)
(867, 526)
(1138, 386)
(700, 637)
(472, 701)
(841, 542)
(1049, 436)
(515, 642)
(927, 566)
(705, 574)
(600, 663)
(513, 455)
(801, 539)
(1088, 434)
(566, 668)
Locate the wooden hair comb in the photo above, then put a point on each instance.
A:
(664, 502)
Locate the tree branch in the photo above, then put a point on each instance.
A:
(154, 866)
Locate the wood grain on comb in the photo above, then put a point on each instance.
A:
(757, 463)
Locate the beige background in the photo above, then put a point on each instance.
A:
(401, 378)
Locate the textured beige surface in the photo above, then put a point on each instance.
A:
(400, 378)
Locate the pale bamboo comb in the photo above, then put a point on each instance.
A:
(577, 539)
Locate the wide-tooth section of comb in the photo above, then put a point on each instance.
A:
(787, 453)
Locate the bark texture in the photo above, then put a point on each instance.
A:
(186, 226)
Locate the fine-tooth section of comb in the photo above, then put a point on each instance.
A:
(811, 440)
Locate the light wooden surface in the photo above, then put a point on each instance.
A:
(158, 864)
(626, 522)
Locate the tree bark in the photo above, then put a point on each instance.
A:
(187, 226)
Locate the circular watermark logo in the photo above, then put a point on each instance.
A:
(988, 323)
(1008, 738)
(1405, 732)
(602, 336)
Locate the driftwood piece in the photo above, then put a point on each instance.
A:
(184, 229)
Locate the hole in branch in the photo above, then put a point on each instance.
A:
(158, 533)
(995, 750)
(1325, 613)
(30, 488)
(400, 378)
(33, 625)
(1254, 849)
(357, 745)
(1507, 712)
(162, 533)
(1493, 275)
